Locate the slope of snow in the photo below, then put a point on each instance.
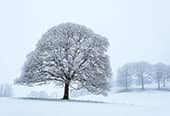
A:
(148, 103)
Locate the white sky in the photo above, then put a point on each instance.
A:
(137, 29)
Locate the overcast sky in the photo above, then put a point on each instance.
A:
(137, 29)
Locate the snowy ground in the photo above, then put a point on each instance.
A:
(147, 103)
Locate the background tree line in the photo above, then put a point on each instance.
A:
(142, 73)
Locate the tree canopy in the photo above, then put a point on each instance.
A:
(71, 55)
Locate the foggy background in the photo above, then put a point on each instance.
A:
(137, 29)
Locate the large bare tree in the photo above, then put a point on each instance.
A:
(71, 55)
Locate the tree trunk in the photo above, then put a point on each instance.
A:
(142, 82)
(66, 91)
(126, 84)
(159, 85)
(164, 82)
(159, 80)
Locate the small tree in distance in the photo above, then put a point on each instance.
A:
(161, 73)
(124, 78)
(142, 70)
(69, 54)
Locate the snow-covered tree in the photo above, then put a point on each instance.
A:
(124, 78)
(69, 54)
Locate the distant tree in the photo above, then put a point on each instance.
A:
(168, 74)
(142, 71)
(136, 72)
(6, 90)
(124, 78)
(161, 73)
(69, 54)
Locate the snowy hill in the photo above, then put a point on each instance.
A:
(147, 103)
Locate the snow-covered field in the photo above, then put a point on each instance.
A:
(147, 103)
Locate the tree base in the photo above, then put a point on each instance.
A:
(65, 98)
